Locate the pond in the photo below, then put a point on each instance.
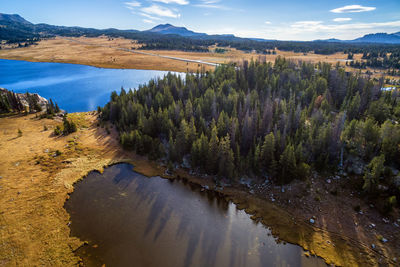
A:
(76, 88)
(131, 220)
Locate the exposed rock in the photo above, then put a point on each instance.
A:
(312, 221)
(186, 162)
(355, 165)
(382, 188)
(396, 181)
(245, 181)
(394, 171)
(24, 100)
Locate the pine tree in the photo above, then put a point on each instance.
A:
(212, 161)
(287, 164)
(268, 152)
(374, 171)
(225, 158)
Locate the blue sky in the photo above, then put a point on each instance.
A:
(283, 20)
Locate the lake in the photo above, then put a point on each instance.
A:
(131, 220)
(74, 87)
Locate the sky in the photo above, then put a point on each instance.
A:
(278, 19)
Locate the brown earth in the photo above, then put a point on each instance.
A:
(35, 183)
(106, 52)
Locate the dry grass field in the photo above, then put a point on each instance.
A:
(107, 53)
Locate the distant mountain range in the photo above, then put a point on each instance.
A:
(171, 29)
(15, 28)
(383, 38)
(13, 18)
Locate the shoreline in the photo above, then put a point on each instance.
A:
(99, 65)
(49, 241)
(104, 53)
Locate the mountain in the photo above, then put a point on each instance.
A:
(331, 40)
(13, 18)
(14, 28)
(377, 38)
(171, 29)
(382, 38)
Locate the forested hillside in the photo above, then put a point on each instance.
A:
(279, 120)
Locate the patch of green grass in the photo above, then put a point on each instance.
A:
(79, 119)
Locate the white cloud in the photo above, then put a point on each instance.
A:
(149, 16)
(306, 24)
(148, 21)
(132, 4)
(208, 2)
(318, 26)
(352, 9)
(179, 2)
(213, 4)
(268, 22)
(311, 30)
(160, 11)
(341, 19)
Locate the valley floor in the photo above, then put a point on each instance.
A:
(112, 53)
(38, 170)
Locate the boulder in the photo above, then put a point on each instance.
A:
(396, 181)
(395, 171)
(382, 188)
(355, 165)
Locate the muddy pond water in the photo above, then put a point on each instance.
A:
(131, 220)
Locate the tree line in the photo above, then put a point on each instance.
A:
(380, 60)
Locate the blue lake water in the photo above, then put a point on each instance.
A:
(74, 87)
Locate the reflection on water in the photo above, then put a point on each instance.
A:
(74, 87)
(131, 220)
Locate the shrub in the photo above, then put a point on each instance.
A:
(390, 203)
(57, 130)
(69, 127)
